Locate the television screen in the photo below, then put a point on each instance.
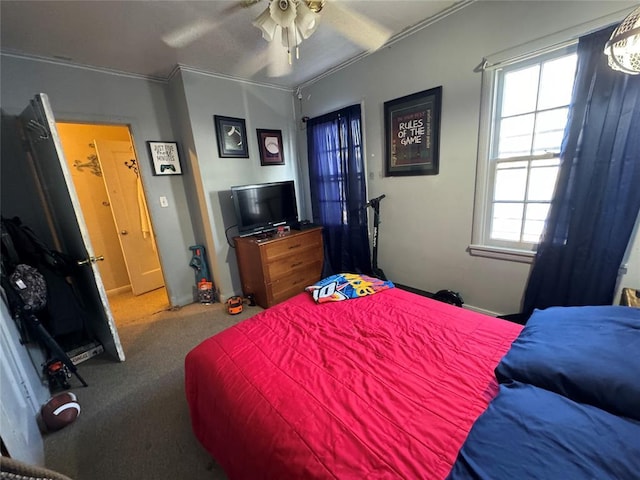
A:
(264, 206)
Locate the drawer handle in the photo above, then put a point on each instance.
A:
(295, 246)
(297, 264)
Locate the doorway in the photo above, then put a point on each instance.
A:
(104, 170)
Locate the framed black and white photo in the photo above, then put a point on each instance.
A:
(412, 133)
(270, 146)
(231, 134)
(165, 158)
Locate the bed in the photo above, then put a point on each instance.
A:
(395, 385)
(383, 386)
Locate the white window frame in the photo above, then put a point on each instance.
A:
(481, 244)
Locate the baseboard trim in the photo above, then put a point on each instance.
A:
(424, 293)
(481, 310)
(115, 291)
(417, 291)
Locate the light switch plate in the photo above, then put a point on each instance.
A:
(164, 202)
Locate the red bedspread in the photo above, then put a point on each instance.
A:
(384, 386)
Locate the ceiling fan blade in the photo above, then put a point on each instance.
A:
(354, 26)
(190, 33)
(273, 58)
(239, 6)
(249, 65)
(277, 59)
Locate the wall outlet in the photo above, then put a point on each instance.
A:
(164, 202)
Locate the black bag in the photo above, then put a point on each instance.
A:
(63, 314)
(30, 286)
(449, 296)
(29, 249)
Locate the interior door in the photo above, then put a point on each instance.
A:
(62, 209)
(130, 214)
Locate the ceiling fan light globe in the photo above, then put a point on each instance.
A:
(285, 17)
(266, 24)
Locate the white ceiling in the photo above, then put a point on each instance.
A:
(132, 36)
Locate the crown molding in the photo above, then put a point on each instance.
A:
(152, 78)
(396, 38)
(186, 68)
(80, 66)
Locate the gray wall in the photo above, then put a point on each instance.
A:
(427, 220)
(261, 107)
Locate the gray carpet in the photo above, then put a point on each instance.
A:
(135, 422)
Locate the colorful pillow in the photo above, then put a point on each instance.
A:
(588, 354)
(345, 286)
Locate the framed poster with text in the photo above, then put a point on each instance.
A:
(164, 158)
(412, 133)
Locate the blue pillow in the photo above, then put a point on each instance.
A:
(530, 433)
(588, 354)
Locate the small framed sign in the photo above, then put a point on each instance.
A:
(412, 133)
(165, 158)
(270, 146)
(231, 134)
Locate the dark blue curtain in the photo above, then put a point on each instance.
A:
(338, 190)
(597, 197)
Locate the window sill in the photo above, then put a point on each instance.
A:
(502, 253)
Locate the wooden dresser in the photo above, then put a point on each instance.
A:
(278, 268)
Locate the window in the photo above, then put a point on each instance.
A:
(525, 108)
(336, 140)
(338, 189)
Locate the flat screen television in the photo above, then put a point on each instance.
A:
(263, 207)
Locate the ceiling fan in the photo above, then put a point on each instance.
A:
(291, 22)
(296, 20)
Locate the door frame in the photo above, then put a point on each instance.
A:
(130, 124)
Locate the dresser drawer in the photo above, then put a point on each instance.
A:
(275, 270)
(292, 245)
(294, 283)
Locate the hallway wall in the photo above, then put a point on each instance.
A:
(77, 143)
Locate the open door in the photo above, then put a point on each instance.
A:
(130, 214)
(62, 210)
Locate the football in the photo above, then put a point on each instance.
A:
(59, 411)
